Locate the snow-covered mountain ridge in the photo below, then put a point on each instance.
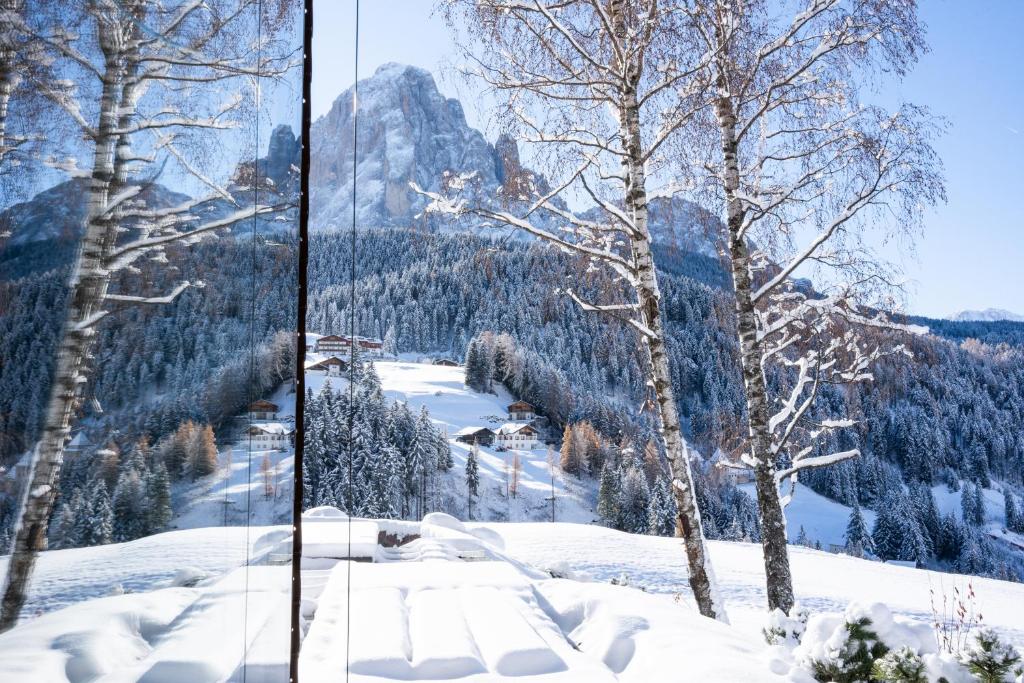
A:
(44, 230)
(987, 315)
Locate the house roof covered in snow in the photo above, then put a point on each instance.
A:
(468, 431)
(515, 427)
(263, 406)
(520, 407)
(272, 428)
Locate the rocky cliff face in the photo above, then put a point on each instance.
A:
(408, 131)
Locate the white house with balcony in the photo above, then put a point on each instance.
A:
(516, 436)
(270, 436)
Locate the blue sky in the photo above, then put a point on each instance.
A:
(971, 254)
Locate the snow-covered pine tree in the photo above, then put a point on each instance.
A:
(129, 507)
(99, 521)
(444, 451)
(978, 464)
(570, 456)
(661, 517)
(158, 511)
(926, 513)
(390, 342)
(634, 499)
(801, 538)
(478, 367)
(421, 450)
(472, 478)
(608, 495)
(890, 527)
(62, 527)
(858, 536)
(1014, 520)
(971, 504)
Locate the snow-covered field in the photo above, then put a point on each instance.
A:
(65, 577)
(453, 605)
(475, 602)
(822, 581)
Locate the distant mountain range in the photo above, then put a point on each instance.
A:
(43, 231)
(987, 315)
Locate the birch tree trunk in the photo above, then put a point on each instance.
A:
(688, 523)
(778, 577)
(7, 67)
(89, 283)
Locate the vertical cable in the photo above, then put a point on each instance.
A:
(352, 350)
(300, 350)
(252, 330)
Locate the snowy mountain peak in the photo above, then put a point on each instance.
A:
(987, 315)
(408, 131)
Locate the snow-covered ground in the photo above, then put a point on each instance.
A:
(65, 577)
(453, 605)
(823, 581)
(453, 406)
(468, 602)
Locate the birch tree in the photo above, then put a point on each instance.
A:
(19, 105)
(806, 174)
(9, 45)
(150, 86)
(591, 85)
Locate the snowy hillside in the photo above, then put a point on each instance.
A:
(823, 520)
(453, 406)
(251, 486)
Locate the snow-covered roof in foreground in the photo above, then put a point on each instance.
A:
(422, 613)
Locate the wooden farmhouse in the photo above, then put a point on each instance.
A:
(446, 362)
(521, 411)
(479, 435)
(334, 343)
(263, 410)
(332, 366)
